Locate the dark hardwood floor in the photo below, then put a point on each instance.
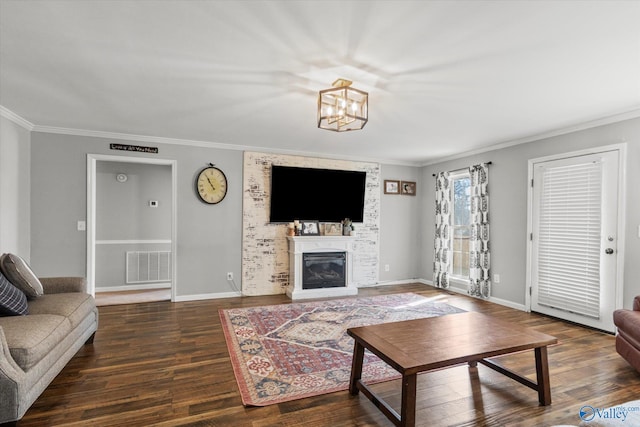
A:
(167, 364)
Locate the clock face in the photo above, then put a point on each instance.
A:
(211, 185)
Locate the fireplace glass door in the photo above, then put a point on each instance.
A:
(324, 270)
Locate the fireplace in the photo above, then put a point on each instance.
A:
(324, 270)
(321, 266)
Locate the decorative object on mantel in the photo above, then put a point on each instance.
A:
(291, 231)
(408, 188)
(333, 229)
(347, 227)
(342, 108)
(310, 228)
(286, 352)
(391, 186)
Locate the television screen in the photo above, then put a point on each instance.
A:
(325, 195)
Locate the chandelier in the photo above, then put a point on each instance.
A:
(342, 107)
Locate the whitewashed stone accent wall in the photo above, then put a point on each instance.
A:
(265, 259)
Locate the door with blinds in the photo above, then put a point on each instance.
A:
(574, 240)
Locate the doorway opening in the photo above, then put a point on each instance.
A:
(131, 229)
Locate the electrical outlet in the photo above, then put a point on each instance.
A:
(230, 275)
(386, 267)
(496, 278)
(82, 226)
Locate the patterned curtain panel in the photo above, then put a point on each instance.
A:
(442, 252)
(479, 257)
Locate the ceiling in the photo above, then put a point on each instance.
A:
(444, 77)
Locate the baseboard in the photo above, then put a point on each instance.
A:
(144, 287)
(199, 297)
(390, 282)
(495, 300)
(506, 303)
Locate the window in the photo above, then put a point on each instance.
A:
(461, 225)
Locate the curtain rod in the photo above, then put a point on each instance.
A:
(461, 169)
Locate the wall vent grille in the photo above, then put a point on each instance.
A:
(148, 266)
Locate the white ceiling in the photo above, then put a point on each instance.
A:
(444, 77)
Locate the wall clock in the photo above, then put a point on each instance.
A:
(211, 185)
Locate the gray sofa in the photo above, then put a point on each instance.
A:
(35, 347)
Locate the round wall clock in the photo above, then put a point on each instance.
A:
(211, 185)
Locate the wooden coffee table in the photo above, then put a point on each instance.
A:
(415, 346)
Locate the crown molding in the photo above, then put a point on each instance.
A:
(20, 121)
(208, 144)
(615, 118)
(632, 114)
(132, 137)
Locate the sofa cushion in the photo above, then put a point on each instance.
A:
(20, 275)
(13, 301)
(74, 305)
(32, 337)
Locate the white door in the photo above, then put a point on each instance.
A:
(574, 242)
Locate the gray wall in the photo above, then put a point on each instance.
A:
(15, 147)
(123, 213)
(508, 204)
(209, 237)
(208, 244)
(122, 208)
(399, 226)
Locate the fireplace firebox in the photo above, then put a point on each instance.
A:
(323, 270)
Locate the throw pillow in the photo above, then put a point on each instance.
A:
(20, 275)
(12, 301)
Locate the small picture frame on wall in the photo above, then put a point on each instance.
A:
(333, 229)
(391, 186)
(310, 228)
(408, 188)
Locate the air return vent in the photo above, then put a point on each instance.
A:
(148, 266)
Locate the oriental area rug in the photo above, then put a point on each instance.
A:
(292, 351)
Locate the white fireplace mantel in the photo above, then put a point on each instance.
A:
(299, 245)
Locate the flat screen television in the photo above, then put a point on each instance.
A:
(325, 195)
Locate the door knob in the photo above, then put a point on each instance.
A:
(608, 251)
